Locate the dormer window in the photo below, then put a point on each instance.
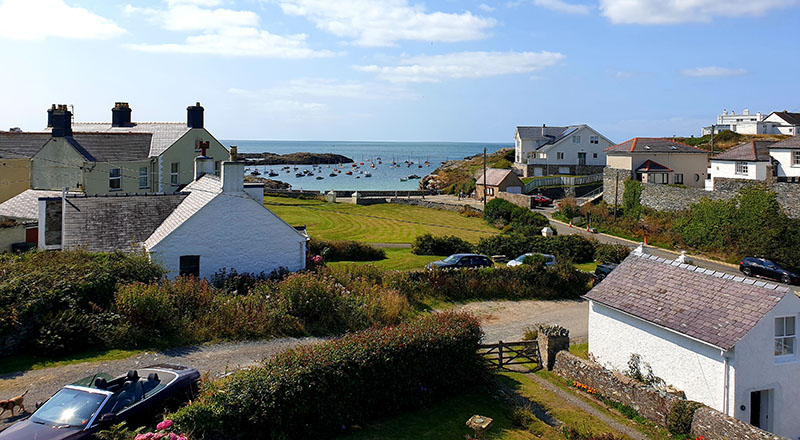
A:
(785, 336)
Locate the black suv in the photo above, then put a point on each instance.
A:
(752, 266)
(461, 260)
(602, 271)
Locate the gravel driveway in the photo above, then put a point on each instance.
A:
(213, 360)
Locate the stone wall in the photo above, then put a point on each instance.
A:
(518, 199)
(714, 425)
(435, 205)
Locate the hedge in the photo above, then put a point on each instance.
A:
(611, 253)
(502, 212)
(320, 390)
(345, 250)
(572, 247)
(427, 244)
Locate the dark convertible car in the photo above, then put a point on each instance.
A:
(94, 403)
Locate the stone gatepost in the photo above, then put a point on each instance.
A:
(551, 339)
(330, 196)
(355, 198)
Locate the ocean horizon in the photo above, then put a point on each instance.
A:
(411, 158)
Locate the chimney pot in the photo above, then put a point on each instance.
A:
(542, 129)
(121, 115)
(194, 116)
(60, 119)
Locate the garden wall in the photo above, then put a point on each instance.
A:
(435, 205)
(517, 199)
(714, 425)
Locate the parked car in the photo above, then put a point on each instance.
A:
(541, 200)
(752, 266)
(96, 402)
(549, 260)
(461, 260)
(602, 271)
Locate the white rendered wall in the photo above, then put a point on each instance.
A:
(727, 169)
(757, 368)
(571, 150)
(233, 231)
(784, 158)
(687, 364)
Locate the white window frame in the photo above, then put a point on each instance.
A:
(594, 139)
(678, 179)
(216, 167)
(796, 158)
(741, 167)
(576, 139)
(785, 334)
(175, 173)
(112, 178)
(143, 174)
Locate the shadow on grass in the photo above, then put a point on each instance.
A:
(13, 366)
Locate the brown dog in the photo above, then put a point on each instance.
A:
(10, 404)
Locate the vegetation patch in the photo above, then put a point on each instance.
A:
(427, 244)
(565, 247)
(344, 250)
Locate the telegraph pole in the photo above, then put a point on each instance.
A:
(616, 196)
(712, 140)
(484, 179)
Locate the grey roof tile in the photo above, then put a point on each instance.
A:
(111, 147)
(21, 145)
(753, 151)
(653, 145)
(25, 205)
(164, 133)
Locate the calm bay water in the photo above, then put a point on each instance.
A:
(384, 176)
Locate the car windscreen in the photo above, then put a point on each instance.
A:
(522, 257)
(452, 259)
(69, 408)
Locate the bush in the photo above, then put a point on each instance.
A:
(345, 250)
(427, 244)
(232, 281)
(501, 213)
(571, 247)
(316, 391)
(611, 253)
(631, 199)
(535, 260)
(679, 420)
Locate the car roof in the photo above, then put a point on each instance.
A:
(468, 255)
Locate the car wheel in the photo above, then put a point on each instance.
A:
(786, 279)
(747, 271)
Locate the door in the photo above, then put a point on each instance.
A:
(32, 235)
(761, 409)
(581, 159)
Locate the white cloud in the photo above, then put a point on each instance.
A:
(712, 71)
(191, 17)
(384, 22)
(485, 7)
(39, 19)
(435, 68)
(562, 6)
(680, 11)
(320, 88)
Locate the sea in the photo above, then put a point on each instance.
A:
(411, 158)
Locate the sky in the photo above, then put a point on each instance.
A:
(401, 70)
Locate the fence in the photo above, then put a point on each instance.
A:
(503, 354)
(561, 181)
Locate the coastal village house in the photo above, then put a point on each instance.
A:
(745, 123)
(658, 160)
(726, 341)
(767, 161)
(496, 180)
(16, 151)
(544, 151)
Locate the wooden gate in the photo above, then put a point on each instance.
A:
(504, 354)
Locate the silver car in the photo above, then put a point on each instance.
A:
(549, 260)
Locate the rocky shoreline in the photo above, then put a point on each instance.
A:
(301, 158)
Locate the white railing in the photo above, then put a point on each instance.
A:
(542, 182)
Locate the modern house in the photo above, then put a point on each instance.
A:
(544, 151)
(766, 161)
(745, 123)
(496, 180)
(212, 224)
(726, 341)
(783, 123)
(659, 160)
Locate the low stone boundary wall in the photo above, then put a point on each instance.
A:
(517, 199)
(291, 193)
(371, 193)
(435, 205)
(714, 425)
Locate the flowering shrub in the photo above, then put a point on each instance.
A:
(314, 391)
(347, 250)
(162, 432)
(584, 387)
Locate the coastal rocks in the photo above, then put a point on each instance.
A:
(268, 183)
(301, 158)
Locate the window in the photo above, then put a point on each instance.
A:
(190, 265)
(741, 167)
(542, 155)
(560, 155)
(679, 179)
(173, 177)
(142, 177)
(216, 167)
(576, 139)
(796, 158)
(115, 179)
(784, 336)
(664, 178)
(594, 139)
(594, 155)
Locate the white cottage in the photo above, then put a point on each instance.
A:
(574, 149)
(727, 341)
(748, 161)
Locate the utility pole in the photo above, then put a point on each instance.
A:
(616, 196)
(484, 179)
(712, 140)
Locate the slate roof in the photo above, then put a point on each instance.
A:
(494, 176)
(25, 205)
(201, 192)
(650, 165)
(164, 133)
(789, 117)
(714, 307)
(551, 134)
(757, 151)
(112, 147)
(21, 145)
(653, 145)
(793, 143)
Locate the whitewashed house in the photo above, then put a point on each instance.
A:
(757, 160)
(786, 156)
(726, 341)
(213, 223)
(746, 123)
(574, 149)
(783, 123)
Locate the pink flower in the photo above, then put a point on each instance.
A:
(146, 436)
(160, 435)
(164, 425)
(173, 436)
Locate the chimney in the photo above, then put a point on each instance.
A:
(121, 115)
(60, 120)
(232, 175)
(203, 164)
(746, 112)
(194, 116)
(542, 129)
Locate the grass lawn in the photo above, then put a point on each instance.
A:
(384, 223)
(587, 267)
(396, 259)
(26, 362)
(581, 350)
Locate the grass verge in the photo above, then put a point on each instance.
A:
(14, 364)
(396, 259)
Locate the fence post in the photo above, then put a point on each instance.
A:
(500, 355)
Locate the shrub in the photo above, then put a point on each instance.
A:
(501, 212)
(536, 260)
(315, 391)
(232, 281)
(611, 253)
(427, 244)
(572, 247)
(345, 250)
(679, 420)
(708, 224)
(631, 199)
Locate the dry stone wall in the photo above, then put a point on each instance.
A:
(435, 205)
(713, 425)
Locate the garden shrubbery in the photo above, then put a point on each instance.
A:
(344, 250)
(317, 391)
(502, 213)
(611, 253)
(427, 244)
(571, 247)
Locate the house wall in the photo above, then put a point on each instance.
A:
(252, 239)
(784, 159)
(11, 235)
(571, 150)
(727, 169)
(689, 365)
(96, 177)
(757, 368)
(57, 166)
(15, 177)
(780, 126)
(693, 166)
(183, 151)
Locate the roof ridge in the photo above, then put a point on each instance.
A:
(685, 145)
(133, 122)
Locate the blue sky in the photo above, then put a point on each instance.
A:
(401, 69)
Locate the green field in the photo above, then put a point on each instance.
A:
(384, 223)
(396, 259)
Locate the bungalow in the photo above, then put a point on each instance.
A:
(496, 180)
(783, 123)
(659, 160)
(727, 341)
(574, 149)
(757, 160)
